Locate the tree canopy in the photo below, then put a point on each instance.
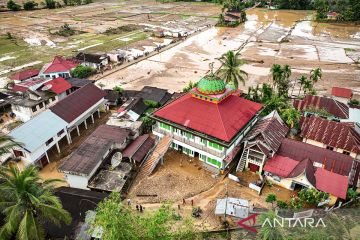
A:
(27, 202)
(119, 221)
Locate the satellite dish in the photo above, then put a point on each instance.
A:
(46, 87)
(116, 159)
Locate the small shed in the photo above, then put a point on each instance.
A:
(234, 207)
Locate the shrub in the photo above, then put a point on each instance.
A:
(281, 204)
(82, 71)
(118, 89)
(30, 5)
(50, 4)
(151, 103)
(65, 31)
(312, 196)
(13, 6)
(354, 102)
(271, 198)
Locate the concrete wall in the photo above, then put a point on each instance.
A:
(286, 182)
(24, 114)
(75, 181)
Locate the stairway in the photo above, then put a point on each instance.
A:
(153, 160)
(242, 161)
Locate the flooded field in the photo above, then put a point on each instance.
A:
(33, 39)
(268, 37)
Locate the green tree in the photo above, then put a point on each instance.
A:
(268, 230)
(312, 196)
(82, 71)
(276, 74)
(322, 8)
(266, 92)
(7, 143)
(308, 86)
(352, 194)
(301, 81)
(30, 5)
(316, 75)
(121, 222)
(13, 6)
(50, 4)
(230, 70)
(291, 116)
(118, 89)
(27, 201)
(281, 204)
(189, 86)
(271, 198)
(277, 103)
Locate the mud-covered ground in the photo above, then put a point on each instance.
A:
(268, 37)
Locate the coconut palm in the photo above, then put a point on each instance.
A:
(230, 70)
(286, 71)
(301, 81)
(291, 116)
(6, 144)
(308, 86)
(315, 74)
(276, 73)
(27, 202)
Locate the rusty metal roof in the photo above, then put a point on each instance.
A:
(335, 134)
(332, 106)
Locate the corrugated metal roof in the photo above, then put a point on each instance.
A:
(78, 102)
(38, 130)
(336, 108)
(335, 134)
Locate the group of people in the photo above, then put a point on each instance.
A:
(139, 207)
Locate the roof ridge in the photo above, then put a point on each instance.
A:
(221, 120)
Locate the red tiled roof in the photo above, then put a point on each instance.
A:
(332, 106)
(60, 64)
(58, 85)
(78, 102)
(23, 75)
(222, 121)
(334, 134)
(332, 183)
(280, 166)
(341, 92)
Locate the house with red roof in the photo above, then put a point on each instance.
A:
(341, 94)
(336, 136)
(322, 106)
(59, 86)
(24, 75)
(208, 123)
(262, 142)
(59, 67)
(298, 165)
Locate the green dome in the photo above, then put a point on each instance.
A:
(211, 85)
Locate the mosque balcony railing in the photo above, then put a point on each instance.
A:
(185, 140)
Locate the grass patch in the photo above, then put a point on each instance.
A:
(10, 45)
(350, 50)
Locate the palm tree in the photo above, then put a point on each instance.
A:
(6, 144)
(230, 70)
(286, 71)
(27, 201)
(301, 81)
(315, 74)
(291, 116)
(276, 73)
(308, 86)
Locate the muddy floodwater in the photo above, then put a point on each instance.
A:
(268, 37)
